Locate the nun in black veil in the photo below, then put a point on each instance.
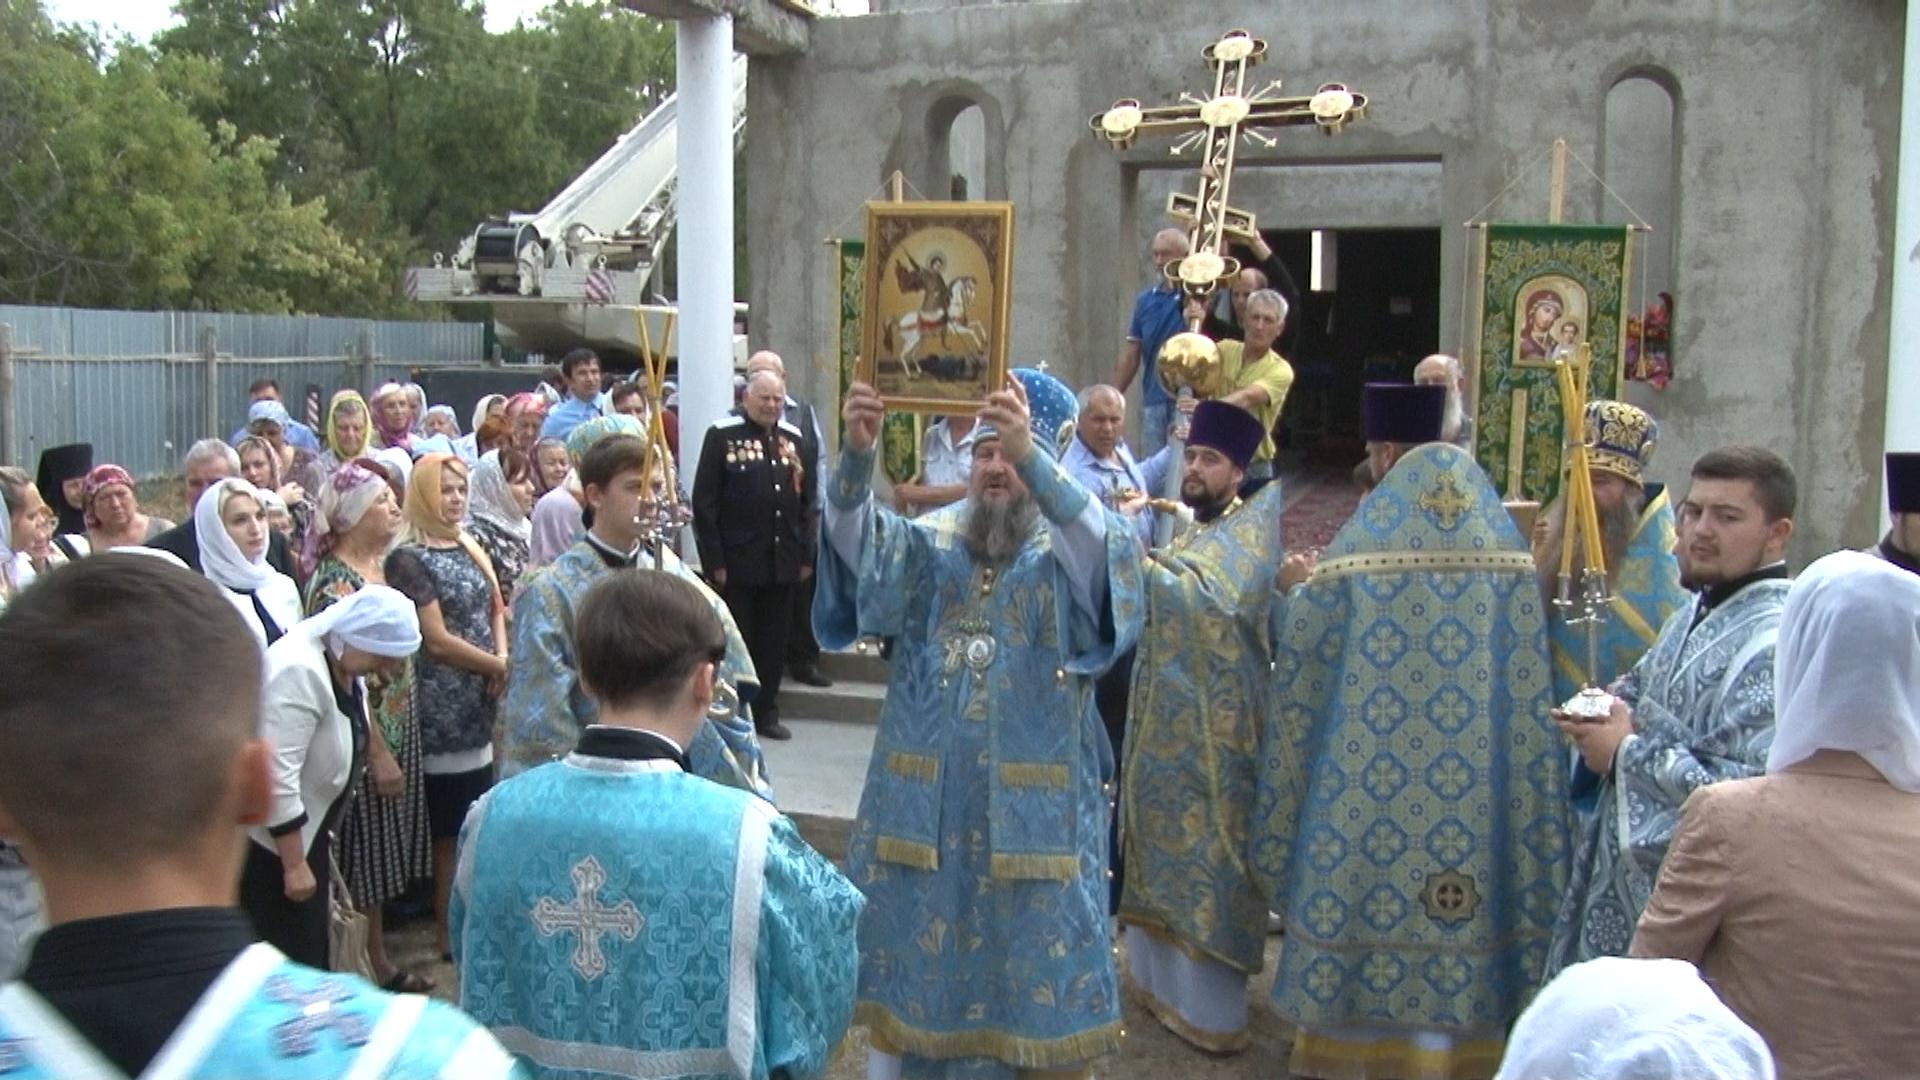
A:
(63, 470)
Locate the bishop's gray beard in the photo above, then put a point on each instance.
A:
(1616, 532)
(995, 532)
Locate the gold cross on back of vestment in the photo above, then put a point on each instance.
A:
(1217, 124)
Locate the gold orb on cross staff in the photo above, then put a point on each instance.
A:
(1190, 361)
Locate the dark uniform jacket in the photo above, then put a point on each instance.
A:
(753, 503)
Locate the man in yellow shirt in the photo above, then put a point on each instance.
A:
(1256, 377)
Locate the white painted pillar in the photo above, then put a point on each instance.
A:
(1903, 348)
(703, 53)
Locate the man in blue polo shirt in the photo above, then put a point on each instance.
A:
(581, 370)
(1156, 317)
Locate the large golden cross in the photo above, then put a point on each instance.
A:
(1218, 123)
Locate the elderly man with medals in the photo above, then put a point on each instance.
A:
(1637, 536)
(1411, 827)
(981, 839)
(1196, 924)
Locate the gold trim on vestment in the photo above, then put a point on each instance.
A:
(1034, 867)
(1439, 561)
(906, 853)
(1033, 774)
(1327, 1058)
(1161, 932)
(1219, 1043)
(913, 766)
(1297, 932)
(895, 1036)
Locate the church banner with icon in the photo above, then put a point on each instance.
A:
(900, 431)
(1543, 288)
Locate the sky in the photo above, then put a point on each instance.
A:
(143, 18)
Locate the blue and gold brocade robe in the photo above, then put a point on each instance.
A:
(981, 838)
(1199, 703)
(1645, 591)
(546, 709)
(1702, 701)
(620, 917)
(1412, 827)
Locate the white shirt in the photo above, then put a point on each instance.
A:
(943, 461)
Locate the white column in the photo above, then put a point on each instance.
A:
(1903, 348)
(703, 54)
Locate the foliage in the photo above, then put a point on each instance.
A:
(295, 155)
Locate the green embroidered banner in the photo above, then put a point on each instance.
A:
(900, 432)
(1543, 288)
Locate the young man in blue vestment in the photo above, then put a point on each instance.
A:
(130, 760)
(1695, 710)
(546, 706)
(1412, 819)
(616, 916)
(981, 839)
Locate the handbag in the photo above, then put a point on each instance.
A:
(347, 928)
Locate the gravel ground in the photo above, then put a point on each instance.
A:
(1149, 1051)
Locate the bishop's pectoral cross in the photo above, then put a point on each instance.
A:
(1218, 124)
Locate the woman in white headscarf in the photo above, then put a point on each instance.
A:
(231, 520)
(1795, 892)
(468, 445)
(498, 509)
(1619, 1019)
(315, 725)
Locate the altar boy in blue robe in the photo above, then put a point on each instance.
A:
(129, 761)
(614, 915)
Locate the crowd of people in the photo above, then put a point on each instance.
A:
(1125, 740)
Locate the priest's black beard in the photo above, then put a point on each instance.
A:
(996, 532)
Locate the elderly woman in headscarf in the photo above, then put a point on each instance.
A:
(113, 513)
(499, 513)
(315, 725)
(24, 508)
(551, 463)
(525, 414)
(463, 667)
(1795, 892)
(1619, 1019)
(231, 522)
(62, 480)
(559, 516)
(384, 842)
(440, 420)
(468, 445)
(347, 436)
(392, 416)
(417, 406)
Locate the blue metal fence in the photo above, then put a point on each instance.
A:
(133, 383)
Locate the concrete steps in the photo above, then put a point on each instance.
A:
(817, 778)
(859, 686)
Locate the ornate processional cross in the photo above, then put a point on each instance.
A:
(1217, 124)
(587, 919)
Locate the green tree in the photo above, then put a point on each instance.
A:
(116, 195)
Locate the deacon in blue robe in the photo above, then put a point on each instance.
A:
(981, 838)
(546, 707)
(1412, 823)
(1698, 707)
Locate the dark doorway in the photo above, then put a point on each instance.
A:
(1374, 325)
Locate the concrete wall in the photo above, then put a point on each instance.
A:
(1786, 117)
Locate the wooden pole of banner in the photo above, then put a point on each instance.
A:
(1557, 189)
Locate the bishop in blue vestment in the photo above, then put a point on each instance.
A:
(614, 915)
(1412, 826)
(981, 840)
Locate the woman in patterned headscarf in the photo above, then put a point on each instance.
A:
(498, 513)
(392, 416)
(384, 844)
(113, 512)
(462, 665)
(349, 423)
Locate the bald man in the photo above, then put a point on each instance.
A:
(1156, 317)
(1441, 369)
(803, 649)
